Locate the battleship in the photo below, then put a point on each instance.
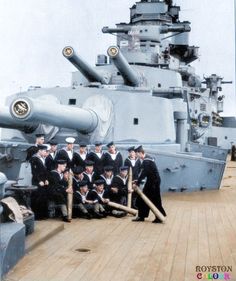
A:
(143, 90)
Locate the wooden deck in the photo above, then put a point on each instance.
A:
(200, 230)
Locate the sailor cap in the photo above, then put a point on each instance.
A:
(70, 140)
(124, 168)
(110, 144)
(82, 183)
(42, 147)
(77, 170)
(99, 182)
(39, 135)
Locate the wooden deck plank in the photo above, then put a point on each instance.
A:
(179, 262)
(152, 262)
(227, 239)
(170, 247)
(214, 248)
(76, 258)
(150, 265)
(192, 248)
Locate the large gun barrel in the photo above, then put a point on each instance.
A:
(107, 29)
(90, 73)
(176, 28)
(127, 72)
(6, 121)
(64, 116)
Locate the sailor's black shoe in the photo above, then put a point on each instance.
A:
(138, 219)
(65, 219)
(157, 221)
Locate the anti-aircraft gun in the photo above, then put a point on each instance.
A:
(144, 91)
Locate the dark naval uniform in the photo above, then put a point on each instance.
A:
(98, 159)
(85, 209)
(41, 195)
(114, 160)
(32, 150)
(121, 184)
(58, 188)
(90, 178)
(66, 155)
(107, 181)
(79, 159)
(135, 164)
(97, 197)
(39, 170)
(76, 182)
(50, 162)
(151, 188)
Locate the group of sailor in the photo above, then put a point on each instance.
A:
(97, 178)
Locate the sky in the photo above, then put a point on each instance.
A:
(33, 34)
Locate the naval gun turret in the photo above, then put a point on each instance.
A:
(145, 93)
(91, 74)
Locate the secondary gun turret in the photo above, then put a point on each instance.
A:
(130, 76)
(26, 109)
(90, 73)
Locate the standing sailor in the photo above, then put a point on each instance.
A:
(151, 188)
(34, 149)
(113, 158)
(51, 158)
(133, 162)
(40, 178)
(80, 156)
(97, 156)
(67, 152)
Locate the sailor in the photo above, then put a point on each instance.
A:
(97, 156)
(80, 199)
(34, 149)
(233, 153)
(78, 176)
(38, 167)
(118, 190)
(40, 178)
(51, 158)
(151, 188)
(58, 189)
(89, 174)
(80, 156)
(113, 158)
(134, 162)
(67, 152)
(99, 197)
(107, 176)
